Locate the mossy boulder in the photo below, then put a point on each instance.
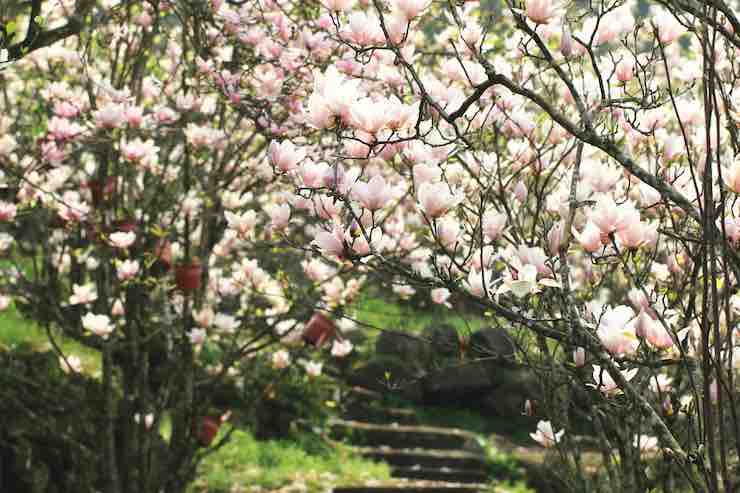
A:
(49, 426)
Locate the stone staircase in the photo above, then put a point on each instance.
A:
(422, 459)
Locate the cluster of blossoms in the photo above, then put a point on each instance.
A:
(573, 175)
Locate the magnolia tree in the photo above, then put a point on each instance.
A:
(568, 168)
(140, 217)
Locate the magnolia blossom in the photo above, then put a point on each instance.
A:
(100, 325)
(478, 282)
(589, 238)
(340, 349)
(373, 195)
(279, 215)
(494, 224)
(440, 296)
(285, 156)
(280, 359)
(606, 384)
(541, 11)
(331, 243)
(110, 116)
(436, 199)
(83, 294)
(625, 69)
(117, 310)
(243, 223)
(148, 420)
(127, 269)
(71, 363)
(197, 336)
(338, 5)
(545, 435)
(617, 331)
(122, 239)
(313, 368)
(410, 8)
(7, 211)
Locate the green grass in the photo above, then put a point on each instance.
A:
(374, 311)
(16, 331)
(244, 462)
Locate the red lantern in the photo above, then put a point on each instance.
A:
(318, 330)
(206, 429)
(187, 276)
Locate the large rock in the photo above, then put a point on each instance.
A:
(414, 352)
(389, 375)
(443, 338)
(493, 343)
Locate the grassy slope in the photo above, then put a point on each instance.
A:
(244, 463)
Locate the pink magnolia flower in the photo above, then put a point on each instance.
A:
(285, 156)
(7, 211)
(197, 336)
(243, 223)
(625, 69)
(653, 331)
(279, 215)
(368, 115)
(555, 237)
(112, 115)
(71, 363)
(426, 173)
(541, 11)
(731, 176)
(447, 231)
(545, 435)
(134, 116)
(331, 243)
(606, 384)
(100, 325)
(610, 217)
(410, 8)
(83, 294)
(138, 150)
(436, 199)
(589, 238)
(117, 310)
(338, 5)
(616, 330)
(127, 270)
(122, 239)
(340, 349)
(204, 317)
(373, 195)
(478, 282)
(226, 323)
(313, 368)
(148, 419)
(440, 296)
(280, 359)
(669, 29)
(494, 224)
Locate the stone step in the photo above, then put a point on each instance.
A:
(441, 474)
(427, 458)
(413, 488)
(405, 436)
(369, 413)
